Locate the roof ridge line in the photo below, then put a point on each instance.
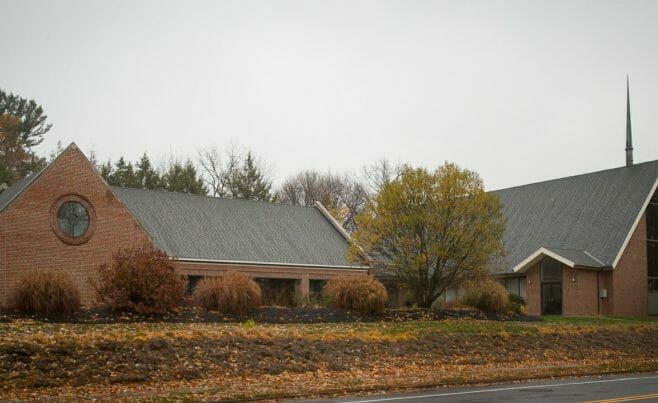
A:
(209, 196)
(327, 215)
(574, 176)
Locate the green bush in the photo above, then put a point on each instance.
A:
(487, 295)
(233, 293)
(142, 280)
(516, 304)
(363, 294)
(46, 293)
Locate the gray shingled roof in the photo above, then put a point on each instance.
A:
(16, 189)
(583, 218)
(209, 228)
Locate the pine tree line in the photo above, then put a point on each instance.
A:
(177, 176)
(241, 177)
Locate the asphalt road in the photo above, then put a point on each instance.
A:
(608, 389)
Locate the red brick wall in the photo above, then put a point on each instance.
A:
(533, 290)
(607, 306)
(27, 240)
(579, 292)
(630, 277)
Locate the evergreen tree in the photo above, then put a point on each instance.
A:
(22, 125)
(147, 177)
(182, 178)
(31, 120)
(176, 177)
(105, 171)
(250, 182)
(123, 174)
(193, 181)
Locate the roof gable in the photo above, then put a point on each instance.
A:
(570, 257)
(14, 191)
(591, 215)
(194, 227)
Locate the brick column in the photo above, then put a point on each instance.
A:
(302, 286)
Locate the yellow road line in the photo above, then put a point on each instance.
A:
(625, 399)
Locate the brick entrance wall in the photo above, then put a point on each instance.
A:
(533, 290)
(629, 278)
(626, 285)
(579, 291)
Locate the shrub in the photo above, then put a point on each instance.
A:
(516, 304)
(487, 295)
(363, 294)
(46, 293)
(142, 280)
(233, 293)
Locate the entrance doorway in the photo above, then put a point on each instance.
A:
(551, 286)
(551, 299)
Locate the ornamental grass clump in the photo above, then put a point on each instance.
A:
(516, 304)
(487, 295)
(363, 294)
(233, 293)
(143, 280)
(46, 293)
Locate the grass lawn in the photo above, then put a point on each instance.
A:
(250, 360)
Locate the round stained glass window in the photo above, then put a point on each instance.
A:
(73, 219)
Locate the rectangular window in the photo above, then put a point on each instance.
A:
(652, 221)
(513, 285)
(192, 282)
(551, 271)
(652, 236)
(316, 286)
(652, 258)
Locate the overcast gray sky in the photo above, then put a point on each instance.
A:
(519, 91)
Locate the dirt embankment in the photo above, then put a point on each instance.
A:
(92, 358)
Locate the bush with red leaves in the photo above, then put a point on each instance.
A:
(143, 280)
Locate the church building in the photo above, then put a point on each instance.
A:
(581, 245)
(585, 244)
(66, 217)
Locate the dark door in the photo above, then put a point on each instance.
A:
(551, 299)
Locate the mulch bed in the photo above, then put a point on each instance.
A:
(265, 315)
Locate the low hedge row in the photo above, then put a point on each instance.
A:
(146, 280)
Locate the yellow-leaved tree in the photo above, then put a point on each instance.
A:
(432, 230)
